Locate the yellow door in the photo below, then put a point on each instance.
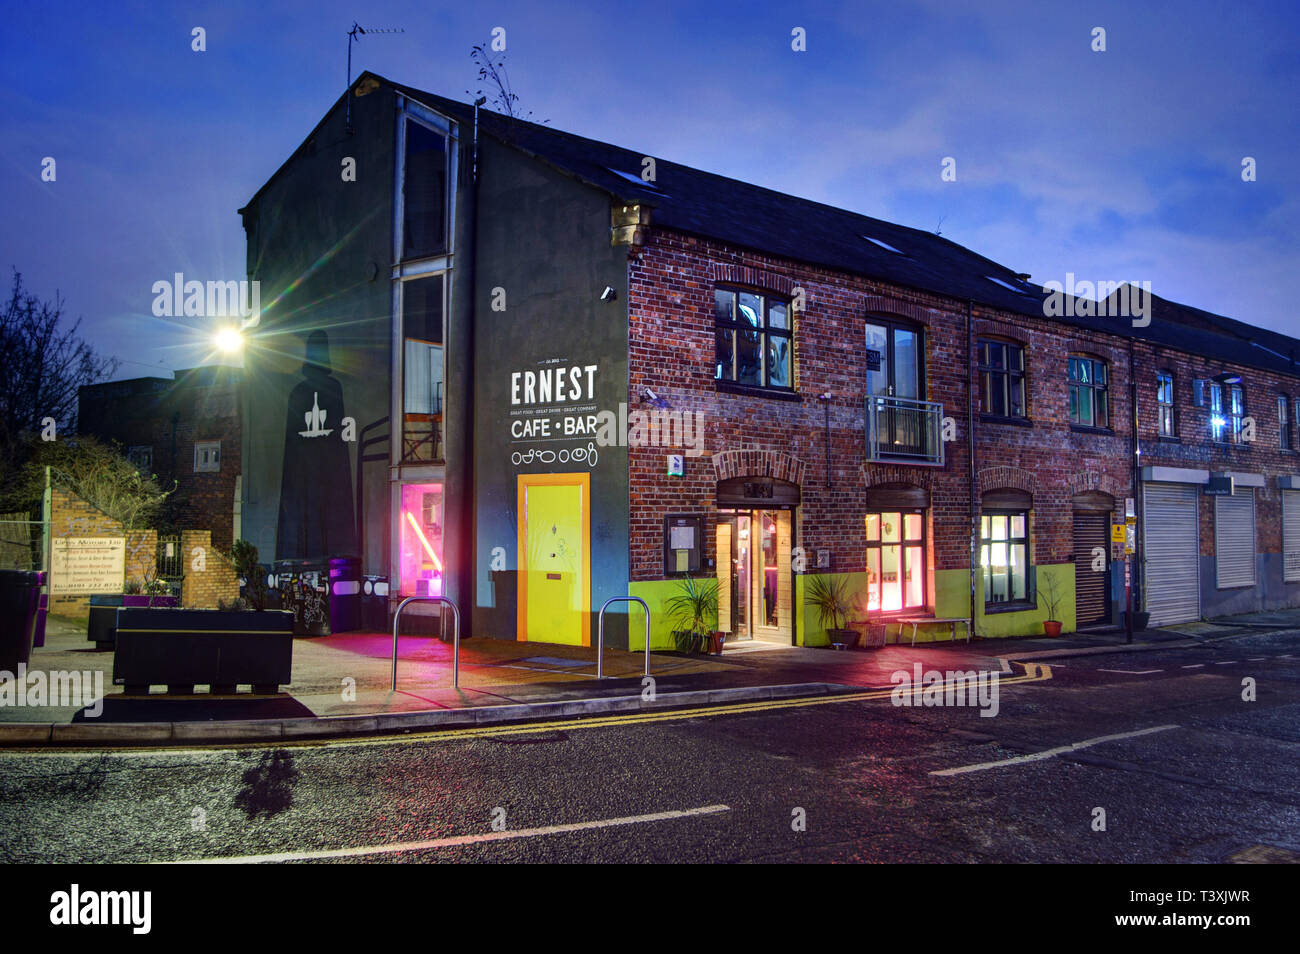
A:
(554, 558)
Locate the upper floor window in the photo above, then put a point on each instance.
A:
(1227, 409)
(424, 192)
(422, 368)
(753, 339)
(1088, 394)
(207, 457)
(1285, 425)
(1165, 404)
(1002, 378)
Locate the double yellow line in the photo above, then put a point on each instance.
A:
(1034, 672)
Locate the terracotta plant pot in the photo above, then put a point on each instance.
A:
(716, 639)
(1051, 627)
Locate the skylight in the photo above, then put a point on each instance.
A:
(885, 245)
(636, 180)
(1022, 289)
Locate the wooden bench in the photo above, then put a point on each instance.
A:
(918, 621)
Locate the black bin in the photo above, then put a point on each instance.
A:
(20, 594)
(345, 594)
(374, 604)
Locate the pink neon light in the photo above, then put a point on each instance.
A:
(423, 539)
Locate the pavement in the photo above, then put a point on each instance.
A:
(341, 684)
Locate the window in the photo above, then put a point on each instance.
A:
(422, 368)
(753, 345)
(141, 458)
(1285, 427)
(424, 192)
(1227, 412)
(1165, 404)
(207, 457)
(1088, 404)
(895, 561)
(420, 540)
(1004, 556)
(1002, 378)
(1236, 410)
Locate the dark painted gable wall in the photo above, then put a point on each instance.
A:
(544, 239)
(321, 248)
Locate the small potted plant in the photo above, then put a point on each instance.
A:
(1052, 597)
(830, 596)
(694, 613)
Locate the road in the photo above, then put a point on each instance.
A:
(1216, 779)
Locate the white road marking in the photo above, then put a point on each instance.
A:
(1132, 672)
(1050, 753)
(1256, 658)
(458, 839)
(1195, 666)
(1230, 662)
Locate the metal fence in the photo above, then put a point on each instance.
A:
(21, 543)
(169, 564)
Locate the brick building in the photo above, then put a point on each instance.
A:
(185, 430)
(574, 372)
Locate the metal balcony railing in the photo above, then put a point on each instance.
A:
(904, 430)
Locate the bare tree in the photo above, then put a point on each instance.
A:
(45, 362)
(492, 74)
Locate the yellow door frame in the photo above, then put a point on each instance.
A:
(583, 482)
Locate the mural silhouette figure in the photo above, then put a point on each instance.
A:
(316, 519)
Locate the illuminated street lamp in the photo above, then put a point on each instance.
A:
(229, 340)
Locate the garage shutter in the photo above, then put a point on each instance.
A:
(1234, 538)
(1090, 586)
(1172, 552)
(1291, 535)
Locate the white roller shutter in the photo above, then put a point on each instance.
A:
(1291, 536)
(1171, 545)
(1234, 538)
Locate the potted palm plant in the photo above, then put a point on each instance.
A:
(830, 596)
(1052, 597)
(694, 613)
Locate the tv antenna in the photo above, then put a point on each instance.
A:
(354, 36)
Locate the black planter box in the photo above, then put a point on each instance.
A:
(184, 648)
(100, 630)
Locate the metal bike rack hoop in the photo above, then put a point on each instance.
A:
(455, 635)
(600, 632)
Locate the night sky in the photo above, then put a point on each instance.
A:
(1123, 165)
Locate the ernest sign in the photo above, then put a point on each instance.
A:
(85, 565)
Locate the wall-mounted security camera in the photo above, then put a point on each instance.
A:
(608, 294)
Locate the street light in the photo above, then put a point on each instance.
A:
(229, 340)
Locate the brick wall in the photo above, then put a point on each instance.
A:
(70, 516)
(209, 579)
(671, 282)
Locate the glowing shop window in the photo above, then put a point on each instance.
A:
(420, 536)
(895, 572)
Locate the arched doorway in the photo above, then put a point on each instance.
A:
(755, 531)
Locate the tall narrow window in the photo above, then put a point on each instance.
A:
(1002, 378)
(752, 339)
(1165, 404)
(1285, 432)
(424, 192)
(1088, 392)
(1236, 410)
(1004, 556)
(1218, 422)
(422, 368)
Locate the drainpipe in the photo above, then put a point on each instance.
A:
(970, 452)
(1136, 586)
(469, 466)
